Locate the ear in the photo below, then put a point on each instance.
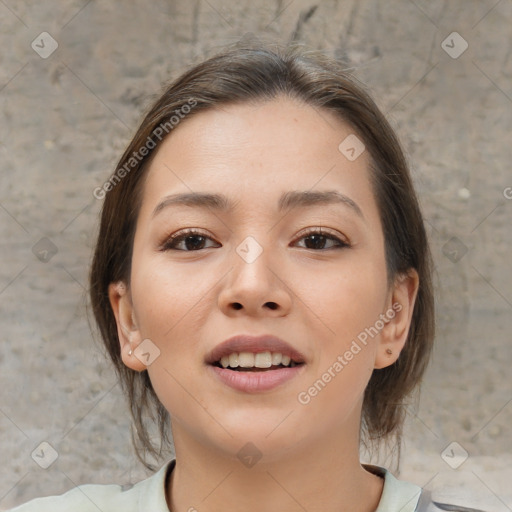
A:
(398, 315)
(127, 330)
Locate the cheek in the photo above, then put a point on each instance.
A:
(347, 298)
(347, 302)
(166, 296)
(169, 310)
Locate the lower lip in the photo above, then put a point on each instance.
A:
(255, 382)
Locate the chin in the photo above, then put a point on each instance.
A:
(270, 438)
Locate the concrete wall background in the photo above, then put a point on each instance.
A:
(66, 119)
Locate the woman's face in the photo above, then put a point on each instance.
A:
(255, 268)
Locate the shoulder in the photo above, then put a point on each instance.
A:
(399, 495)
(84, 498)
(428, 504)
(147, 494)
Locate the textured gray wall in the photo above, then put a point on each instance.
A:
(67, 117)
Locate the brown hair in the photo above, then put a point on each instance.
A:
(257, 73)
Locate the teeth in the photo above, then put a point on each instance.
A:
(263, 360)
(259, 360)
(246, 359)
(233, 360)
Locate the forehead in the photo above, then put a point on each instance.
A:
(256, 152)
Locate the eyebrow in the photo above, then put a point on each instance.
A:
(288, 200)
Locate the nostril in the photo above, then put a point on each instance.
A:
(270, 305)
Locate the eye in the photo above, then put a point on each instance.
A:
(194, 240)
(317, 237)
(191, 239)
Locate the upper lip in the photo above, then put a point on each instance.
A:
(253, 344)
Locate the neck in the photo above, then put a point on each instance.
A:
(325, 476)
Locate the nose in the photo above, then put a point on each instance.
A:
(256, 285)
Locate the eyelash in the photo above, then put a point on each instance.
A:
(169, 243)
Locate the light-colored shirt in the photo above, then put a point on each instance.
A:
(149, 496)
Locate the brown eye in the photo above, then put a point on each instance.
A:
(317, 239)
(189, 240)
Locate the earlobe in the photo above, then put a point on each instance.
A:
(127, 329)
(399, 316)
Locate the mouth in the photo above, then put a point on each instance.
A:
(256, 362)
(247, 351)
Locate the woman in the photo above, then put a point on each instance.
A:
(262, 280)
